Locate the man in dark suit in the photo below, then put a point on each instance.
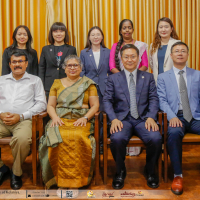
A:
(179, 97)
(131, 103)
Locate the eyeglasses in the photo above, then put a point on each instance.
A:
(126, 58)
(182, 52)
(19, 61)
(69, 66)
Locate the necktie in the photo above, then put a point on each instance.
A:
(132, 92)
(187, 114)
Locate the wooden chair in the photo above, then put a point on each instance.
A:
(36, 127)
(134, 141)
(42, 124)
(188, 139)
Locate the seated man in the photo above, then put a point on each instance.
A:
(179, 95)
(131, 103)
(21, 96)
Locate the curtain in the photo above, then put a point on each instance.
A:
(80, 15)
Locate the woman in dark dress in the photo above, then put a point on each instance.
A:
(53, 55)
(22, 40)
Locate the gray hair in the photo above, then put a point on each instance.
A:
(72, 57)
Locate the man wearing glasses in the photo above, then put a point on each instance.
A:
(21, 96)
(179, 95)
(131, 103)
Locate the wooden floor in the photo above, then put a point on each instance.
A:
(135, 179)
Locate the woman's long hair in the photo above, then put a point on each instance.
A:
(88, 43)
(157, 39)
(28, 43)
(117, 62)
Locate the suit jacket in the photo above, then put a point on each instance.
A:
(168, 63)
(117, 98)
(98, 75)
(168, 92)
(48, 69)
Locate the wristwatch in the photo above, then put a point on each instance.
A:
(86, 118)
(21, 117)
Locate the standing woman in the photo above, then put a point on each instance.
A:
(95, 58)
(53, 55)
(22, 40)
(126, 31)
(159, 55)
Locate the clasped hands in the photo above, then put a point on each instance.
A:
(56, 121)
(9, 118)
(117, 125)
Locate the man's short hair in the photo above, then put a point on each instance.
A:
(179, 43)
(17, 53)
(129, 46)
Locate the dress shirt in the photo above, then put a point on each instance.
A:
(176, 71)
(127, 73)
(96, 58)
(24, 96)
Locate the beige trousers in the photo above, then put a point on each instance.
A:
(20, 142)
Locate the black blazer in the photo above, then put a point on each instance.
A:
(32, 61)
(48, 69)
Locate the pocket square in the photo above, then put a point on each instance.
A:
(142, 76)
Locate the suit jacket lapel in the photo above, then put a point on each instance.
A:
(52, 54)
(139, 84)
(188, 76)
(123, 83)
(91, 58)
(65, 52)
(174, 82)
(102, 55)
(167, 53)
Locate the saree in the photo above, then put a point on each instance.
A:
(67, 152)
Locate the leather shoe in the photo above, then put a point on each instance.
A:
(16, 182)
(177, 185)
(4, 175)
(152, 179)
(118, 181)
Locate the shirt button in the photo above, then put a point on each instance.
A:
(58, 68)
(97, 75)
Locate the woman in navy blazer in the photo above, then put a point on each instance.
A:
(95, 58)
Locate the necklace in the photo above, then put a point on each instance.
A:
(127, 43)
(73, 80)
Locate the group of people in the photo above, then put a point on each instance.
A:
(114, 81)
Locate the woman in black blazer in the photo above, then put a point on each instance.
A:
(22, 40)
(53, 55)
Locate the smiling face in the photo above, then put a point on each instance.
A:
(164, 29)
(18, 65)
(73, 69)
(126, 30)
(58, 36)
(95, 37)
(179, 55)
(21, 36)
(130, 59)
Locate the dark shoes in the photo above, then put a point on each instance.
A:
(118, 181)
(152, 179)
(15, 182)
(5, 174)
(177, 185)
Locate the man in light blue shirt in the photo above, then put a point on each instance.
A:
(179, 96)
(21, 96)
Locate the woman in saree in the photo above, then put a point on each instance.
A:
(67, 150)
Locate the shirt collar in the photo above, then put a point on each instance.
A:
(128, 73)
(176, 70)
(10, 76)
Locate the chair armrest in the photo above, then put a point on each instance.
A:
(160, 121)
(43, 114)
